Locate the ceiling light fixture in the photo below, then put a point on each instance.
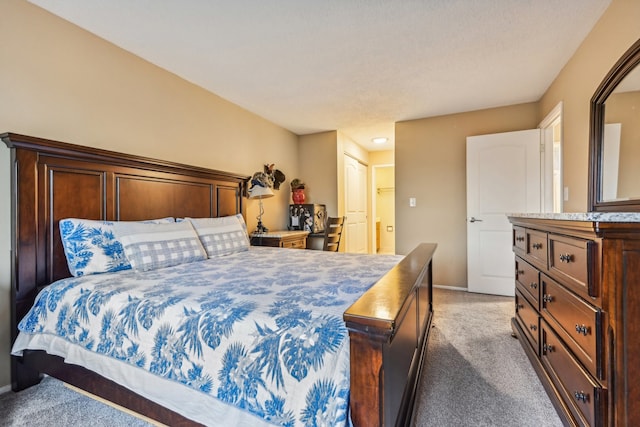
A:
(380, 140)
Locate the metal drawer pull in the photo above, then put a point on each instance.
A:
(537, 246)
(519, 239)
(533, 285)
(547, 298)
(519, 306)
(566, 258)
(582, 329)
(581, 396)
(533, 327)
(519, 272)
(547, 348)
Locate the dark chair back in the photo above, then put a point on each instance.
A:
(332, 233)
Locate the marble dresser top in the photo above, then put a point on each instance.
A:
(583, 216)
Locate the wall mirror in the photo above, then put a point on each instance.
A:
(614, 163)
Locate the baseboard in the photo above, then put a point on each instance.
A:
(5, 389)
(451, 288)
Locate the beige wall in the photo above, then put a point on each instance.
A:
(60, 82)
(431, 166)
(613, 34)
(386, 157)
(318, 166)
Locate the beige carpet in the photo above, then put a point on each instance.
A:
(476, 373)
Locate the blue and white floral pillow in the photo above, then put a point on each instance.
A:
(152, 246)
(91, 246)
(222, 236)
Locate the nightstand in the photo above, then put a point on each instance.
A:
(281, 239)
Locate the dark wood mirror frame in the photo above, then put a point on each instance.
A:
(627, 63)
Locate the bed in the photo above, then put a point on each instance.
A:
(387, 323)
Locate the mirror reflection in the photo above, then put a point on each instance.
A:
(621, 141)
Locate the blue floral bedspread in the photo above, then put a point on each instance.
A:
(261, 330)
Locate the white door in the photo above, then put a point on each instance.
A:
(355, 190)
(503, 176)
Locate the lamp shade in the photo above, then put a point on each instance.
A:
(260, 192)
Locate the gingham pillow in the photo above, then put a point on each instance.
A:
(152, 246)
(91, 246)
(222, 236)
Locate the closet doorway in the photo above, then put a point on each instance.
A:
(383, 209)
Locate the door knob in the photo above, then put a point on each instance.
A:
(474, 220)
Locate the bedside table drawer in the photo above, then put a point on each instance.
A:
(299, 243)
(281, 239)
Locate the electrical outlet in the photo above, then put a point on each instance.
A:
(412, 202)
(566, 194)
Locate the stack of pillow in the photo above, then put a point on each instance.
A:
(93, 247)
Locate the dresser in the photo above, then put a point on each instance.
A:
(294, 239)
(577, 311)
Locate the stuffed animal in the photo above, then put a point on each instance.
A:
(269, 177)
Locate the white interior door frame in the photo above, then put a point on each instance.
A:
(546, 161)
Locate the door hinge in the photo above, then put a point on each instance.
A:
(542, 147)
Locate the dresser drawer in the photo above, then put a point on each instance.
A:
(571, 258)
(585, 398)
(529, 320)
(527, 281)
(578, 323)
(537, 248)
(520, 239)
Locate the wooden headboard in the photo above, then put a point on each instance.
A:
(52, 180)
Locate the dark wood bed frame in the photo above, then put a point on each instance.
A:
(388, 326)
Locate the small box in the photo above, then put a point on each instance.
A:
(307, 217)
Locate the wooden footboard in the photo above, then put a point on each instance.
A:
(389, 329)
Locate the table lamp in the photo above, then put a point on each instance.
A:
(259, 192)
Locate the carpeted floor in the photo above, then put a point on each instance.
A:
(50, 403)
(476, 374)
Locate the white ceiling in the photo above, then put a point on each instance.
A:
(353, 65)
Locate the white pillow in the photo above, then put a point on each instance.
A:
(153, 246)
(91, 246)
(222, 236)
